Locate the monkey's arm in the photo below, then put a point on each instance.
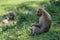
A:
(36, 25)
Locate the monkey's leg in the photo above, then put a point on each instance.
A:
(35, 31)
(43, 30)
(37, 25)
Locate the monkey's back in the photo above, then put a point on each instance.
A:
(45, 23)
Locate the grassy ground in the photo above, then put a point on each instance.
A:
(26, 14)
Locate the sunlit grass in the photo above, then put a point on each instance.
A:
(5, 4)
(15, 1)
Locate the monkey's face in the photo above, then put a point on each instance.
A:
(40, 12)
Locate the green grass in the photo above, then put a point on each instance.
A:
(6, 4)
(26, 14)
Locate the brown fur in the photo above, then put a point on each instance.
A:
(44, 23)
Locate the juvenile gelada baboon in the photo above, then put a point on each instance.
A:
(44, 23)
(12, 16)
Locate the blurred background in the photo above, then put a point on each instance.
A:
(26, 11)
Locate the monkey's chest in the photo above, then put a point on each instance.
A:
(43, 22)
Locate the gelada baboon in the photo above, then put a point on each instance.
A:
(12, 16)
(44, 23)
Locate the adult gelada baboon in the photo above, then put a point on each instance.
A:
(44, 23)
